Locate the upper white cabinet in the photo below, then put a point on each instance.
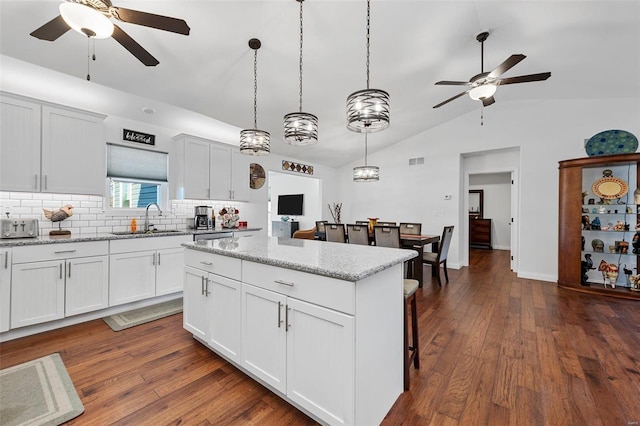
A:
(210, 170)
(50, 148)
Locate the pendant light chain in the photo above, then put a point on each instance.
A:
(368, 37)
(365, 150)
(255, 89)
(301, 37)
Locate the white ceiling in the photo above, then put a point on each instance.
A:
(591, 48)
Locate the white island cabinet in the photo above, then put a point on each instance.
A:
(320, 323)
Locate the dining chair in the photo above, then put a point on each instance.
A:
(335, 232)
(440, 257)
(382, 223)
(305, 234)
(358, 234)
(389, 236)
(410, 228)
(320, 232)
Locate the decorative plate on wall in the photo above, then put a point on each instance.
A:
(611, 142)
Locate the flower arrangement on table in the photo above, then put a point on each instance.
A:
(229, 217)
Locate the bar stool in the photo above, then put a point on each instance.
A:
(411, 350)
(389, 236)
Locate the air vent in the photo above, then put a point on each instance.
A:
(416, 161)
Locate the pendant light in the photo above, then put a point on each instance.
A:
(300, 128)
(368, 109)
(366, 173)
(254, 141)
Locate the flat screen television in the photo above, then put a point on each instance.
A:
(290, 205)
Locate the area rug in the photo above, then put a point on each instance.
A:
(143, 315)
(38, 392)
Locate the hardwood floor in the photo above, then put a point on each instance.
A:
(495, 350)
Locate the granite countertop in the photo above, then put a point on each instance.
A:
(349, 262)
(77, 238)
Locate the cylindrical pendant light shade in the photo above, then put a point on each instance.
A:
(366, 174)
(300, 128)
(255, 142)
(368, 111)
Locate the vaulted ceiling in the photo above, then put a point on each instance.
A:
(591, 48)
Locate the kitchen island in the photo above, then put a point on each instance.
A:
(318, 323)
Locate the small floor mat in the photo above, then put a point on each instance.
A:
(143, 315)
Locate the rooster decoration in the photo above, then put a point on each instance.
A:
(58, 216)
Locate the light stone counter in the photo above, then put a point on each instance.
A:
(349, 262)
(106, 236)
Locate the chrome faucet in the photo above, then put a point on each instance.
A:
(146, 215)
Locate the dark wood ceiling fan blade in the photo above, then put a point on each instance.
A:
(524, 78)
(451, 99)
(511, 61)
(488, 101)
(452, 83)
(133, 47)
(52, 29)
(159, 22)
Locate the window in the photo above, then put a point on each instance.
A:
(136, 177)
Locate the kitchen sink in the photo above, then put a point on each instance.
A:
(156, 232)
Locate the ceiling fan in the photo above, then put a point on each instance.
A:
(481, 87)
(92, 18)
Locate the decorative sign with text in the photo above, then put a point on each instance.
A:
(139, 137)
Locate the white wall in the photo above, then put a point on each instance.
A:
(546, 132)
(496, 189)
(285, 184)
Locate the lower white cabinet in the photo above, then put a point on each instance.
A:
(52, 281)
(5, 289)
(212, 310)
(145, 267)
(302, 350)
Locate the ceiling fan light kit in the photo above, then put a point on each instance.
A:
(86, 20)
(300, 128)
(254, 141)
(483, 86)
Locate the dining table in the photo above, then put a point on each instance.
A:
(417, 243)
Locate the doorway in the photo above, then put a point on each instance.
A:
(496, 173)
(287, 184)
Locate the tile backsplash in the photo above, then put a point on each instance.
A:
(89, 216)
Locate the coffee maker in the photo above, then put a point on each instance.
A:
(203, 217)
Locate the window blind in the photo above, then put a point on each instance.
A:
(140, 164)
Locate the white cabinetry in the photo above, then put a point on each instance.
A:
(211, 170)
(52, 281)
(5, 289)
(141, 268)
(212, 301)
(300, 348)
(40, 144)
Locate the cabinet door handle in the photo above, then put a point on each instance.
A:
(158, 259)
(69, 270)
(286, 318)
(206, 287)
(206, 263)
(153, 259)
(6, 260)
(64, 251)
(61, 271)
(202, 286)
(284, 283)
(279, 314)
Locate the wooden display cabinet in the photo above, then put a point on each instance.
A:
(577, 176)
